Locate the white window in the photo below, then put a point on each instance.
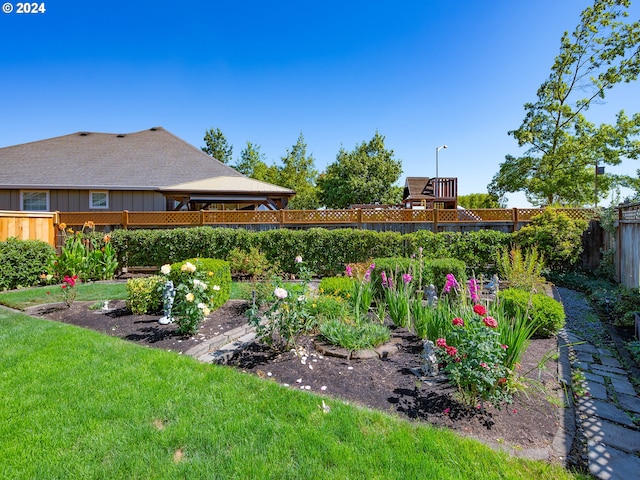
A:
(34, 200)
(98, 199)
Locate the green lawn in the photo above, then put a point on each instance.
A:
(78, 404)
(98, 291)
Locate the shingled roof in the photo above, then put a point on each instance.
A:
(146, 160)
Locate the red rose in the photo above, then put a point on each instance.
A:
(458, 322)
(451, 351)
(441, 342)
(479, 309)
(490, 322)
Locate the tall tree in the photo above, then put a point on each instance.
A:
(298, 173)
(252, 164)
(365, 175)
(563, 148)
(217, 145)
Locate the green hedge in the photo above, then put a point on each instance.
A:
(546, 313)
(22, 262)
(326, 252)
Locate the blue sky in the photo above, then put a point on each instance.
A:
(421, 73)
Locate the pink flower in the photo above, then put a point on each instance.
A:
(406, 278)
(441, 342)
(480, 309)
(490, 322)
(446, 411)
(451, 283)
(348, 271)
(473, 290)
(298, 259)
(503, 346)
(484, 365)
(451, 351)
(383, 275)
(458, 322)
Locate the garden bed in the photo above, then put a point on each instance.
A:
(526, 427)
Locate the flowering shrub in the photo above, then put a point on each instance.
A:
(190, 305)
(86, 253)
(69, 289)
(362, 291)
(473, 359)
(288, 314)
(398, 295)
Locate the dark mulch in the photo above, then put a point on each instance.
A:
(527, 425)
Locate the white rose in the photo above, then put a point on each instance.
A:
(280, 293)
(165, 269)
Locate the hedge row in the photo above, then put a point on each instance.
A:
(325, 251)
(22, 262)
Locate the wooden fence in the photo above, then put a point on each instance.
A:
(627, 245)
(28, 226)
(509, 219)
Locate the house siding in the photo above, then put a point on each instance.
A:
(78, 201)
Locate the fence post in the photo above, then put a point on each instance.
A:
(359, 218)
(201, 217)
(281, 218)
(516, 219)
(125, 219)
(435, 219)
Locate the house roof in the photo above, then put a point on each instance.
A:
(149, 159)
(228, 185)
(418, 188)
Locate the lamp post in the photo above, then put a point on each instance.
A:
(436, 190)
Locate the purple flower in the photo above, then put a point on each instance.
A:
(383, 275)
(406, 278)
(473, 290)
(348, 271)
(451, 283)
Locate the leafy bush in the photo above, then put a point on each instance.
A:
(218, 274)
(543, 311)
(253, 263)
(23, 262)
(557, 237)
(336, 286)
(326, 307)
(436, 271)
(357, 336)
(521, 270)
(144, 295)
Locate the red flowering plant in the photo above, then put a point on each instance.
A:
(68, 288)
(473, 359)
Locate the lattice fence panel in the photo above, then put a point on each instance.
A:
(526, 214)
(492, 214)
(383, 216)
(421, 215)
(320, 216)
(578, 213)
(631, 212)
(448, 215)
(240, 216)
(164, 218)
(98, 218)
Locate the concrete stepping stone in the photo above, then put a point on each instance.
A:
(603, 431)
(630, 403)
(607, 410)
(609, 463)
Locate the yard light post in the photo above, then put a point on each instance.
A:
(437, 190)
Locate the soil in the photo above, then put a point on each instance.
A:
(529, 424)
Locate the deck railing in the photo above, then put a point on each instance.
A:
(357, 218)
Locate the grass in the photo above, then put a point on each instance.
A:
(98, 291)
(78, 404)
